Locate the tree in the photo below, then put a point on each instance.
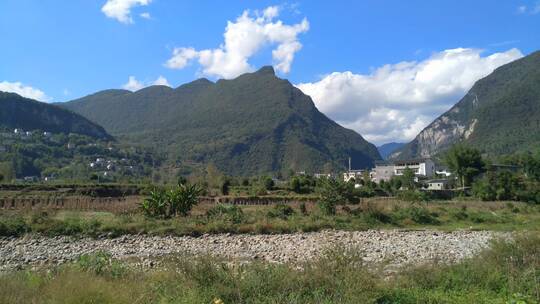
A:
(465, 163)
(225, 187)
(366, 178)
(295, 184)
(268, 183)
(407, 179)
(213, 176)
(334, 192)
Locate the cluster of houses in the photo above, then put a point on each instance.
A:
(109, 166)
(424, 169)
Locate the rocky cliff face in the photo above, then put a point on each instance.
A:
(500, 114)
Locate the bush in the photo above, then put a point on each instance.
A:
(225, 187)
(423, 216)
(166, 203)
(101, 263)
(418, 215)
(229, 213)
(13, 226)
(413, 196)
(281, 211)
(374, 214)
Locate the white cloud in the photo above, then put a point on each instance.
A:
(244, 38)
(121, 9)
(181, 57)
(161, 81)
(134, 85)
(396, 101)
(522, 9)
(23, 90)
(145, 15)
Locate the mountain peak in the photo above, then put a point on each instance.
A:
(253, 124)
(267, 69)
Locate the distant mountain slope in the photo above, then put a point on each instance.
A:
(253, 124)
(500, 114)
(386, 149)
(19, 112)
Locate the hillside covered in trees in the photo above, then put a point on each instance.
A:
(255, 123)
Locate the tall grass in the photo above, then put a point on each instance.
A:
(509, 272)
(277, 219)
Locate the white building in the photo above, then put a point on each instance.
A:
(382, 172)
(322, 175)
(437, 184)
(385, 171)
(420, 167)
(353, 174)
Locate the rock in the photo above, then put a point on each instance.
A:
(394, 247)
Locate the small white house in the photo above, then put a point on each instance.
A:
(437, 184)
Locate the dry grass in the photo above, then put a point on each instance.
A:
(507, 273)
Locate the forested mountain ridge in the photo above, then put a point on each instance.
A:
(499, 115)
(255, 123)
(27, 114)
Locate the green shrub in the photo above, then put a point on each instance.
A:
(419, 215)
(101, 263)
(461, 214)
(423, 216)
(13, 226)
(413, 196)
(375, 215)
(281, 211)
(167, 203)
(229, 213)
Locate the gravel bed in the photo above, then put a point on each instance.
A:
(394, 248)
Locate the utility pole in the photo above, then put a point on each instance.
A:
(349, 164)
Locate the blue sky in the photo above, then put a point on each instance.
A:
(370, 54)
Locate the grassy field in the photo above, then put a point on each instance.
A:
(505, 273)
(207, 218)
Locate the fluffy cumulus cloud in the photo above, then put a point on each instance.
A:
(244, 38)
(134, 85)
(24, 90)
(121, 9)
(396, 101)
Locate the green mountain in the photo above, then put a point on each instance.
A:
(256, 123)
(386, 149)
(499, 115)
(27, 114)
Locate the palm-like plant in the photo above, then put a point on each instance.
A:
(156, 204)
(183, 198)
(173, 202)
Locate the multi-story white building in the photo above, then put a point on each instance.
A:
(385, 171)
(420, 167)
